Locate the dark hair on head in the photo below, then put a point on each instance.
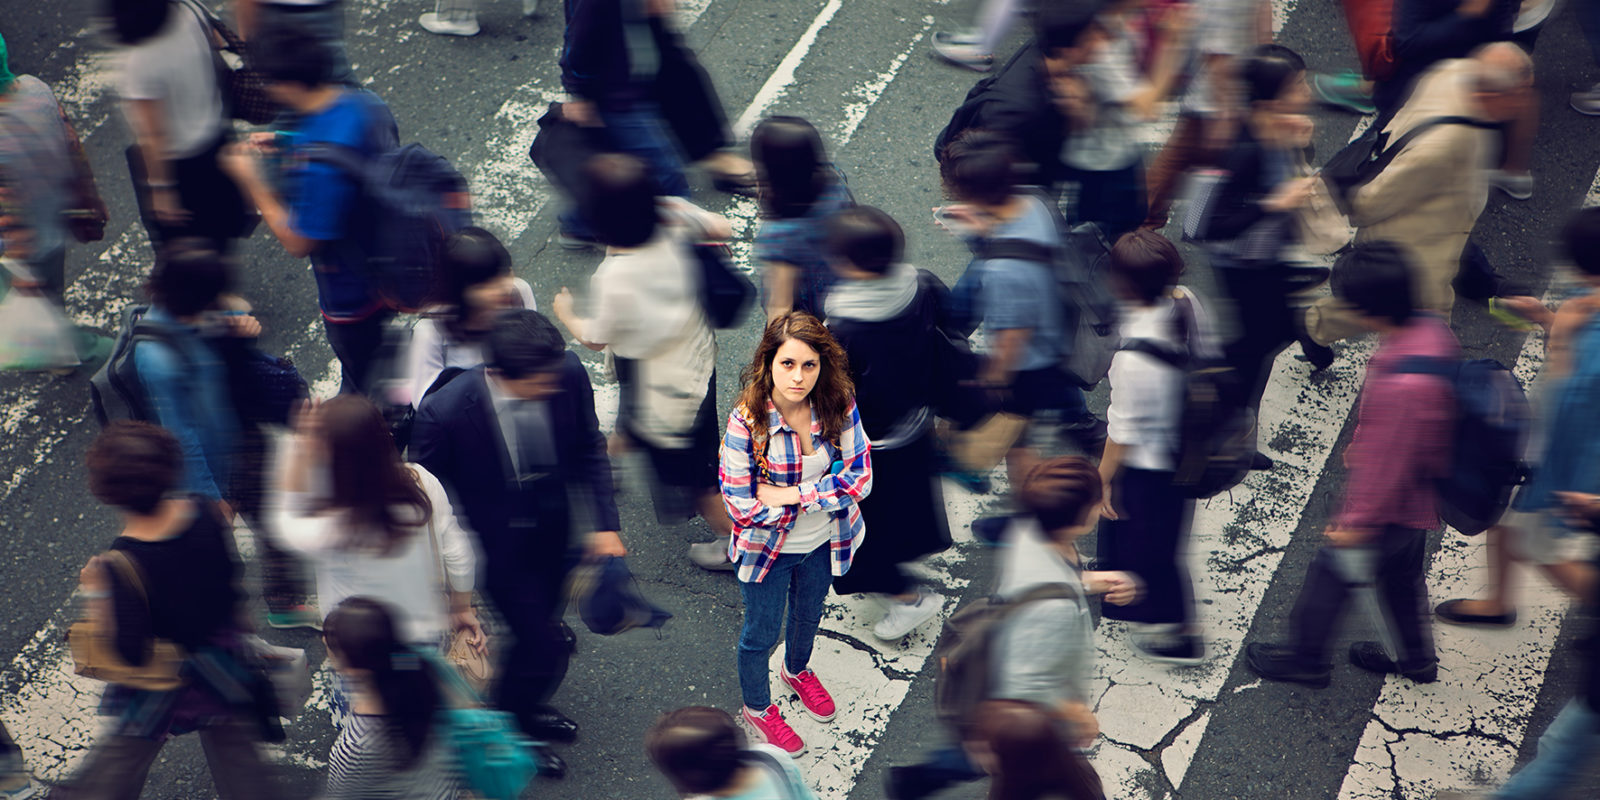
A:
(1267, 71)
(1061, 492)
(136, 21)
(287, 53)
(980, 167)
(133, 465)
(523, 343)
(471, 256)
(1059, 24)
(699, 749)
(620, 201)
(370, 482)
(360, 632)
(1145, 264)
(793, 164)
(188, 277)
(1580, 237)
(866, 238)
(834, 391)
(1375, 277)
(1032, 760)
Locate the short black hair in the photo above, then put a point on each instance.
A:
(133, 465)
(699, 749)
(1146, 264)
(620, 201)
(866, 238)
(1059, 24)
(1268, 70)
(524, 343)
(136, 21)
(286, 53)
(188, 277)
(1581, 239)
(980, 166)
(1375, 277)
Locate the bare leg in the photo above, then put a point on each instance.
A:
(715, 515)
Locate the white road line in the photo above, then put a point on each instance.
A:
(783, 77)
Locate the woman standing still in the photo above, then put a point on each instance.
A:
(795, 464)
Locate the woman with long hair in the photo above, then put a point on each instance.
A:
(372, 525)
(389, 746)
(795, 464)
(1029, 755)
(478, 286)
(800, 189)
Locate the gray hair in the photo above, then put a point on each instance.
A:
(1503, 67)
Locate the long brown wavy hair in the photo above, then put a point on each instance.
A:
(831, 397)
(369, 479)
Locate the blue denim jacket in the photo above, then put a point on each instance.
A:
(189, 392)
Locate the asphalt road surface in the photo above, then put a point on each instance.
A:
(861, 71)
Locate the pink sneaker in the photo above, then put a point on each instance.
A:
(777, 732)
(817, 701)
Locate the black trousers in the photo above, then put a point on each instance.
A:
(1266, 325)
(1149, 541)
(357, 345)
(217, 209)
(1399, 556)
(526, 574)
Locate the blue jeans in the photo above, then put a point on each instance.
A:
(800, 581)
(1572, 738)
(639, 132)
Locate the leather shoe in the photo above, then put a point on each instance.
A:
(1260, 461)
(1276, 662)
(1320, 355)
(568, 638)
(1450, 611)
(551, 725)
(1371, 657)
(551, 765)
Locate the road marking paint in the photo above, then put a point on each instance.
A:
(782, 78)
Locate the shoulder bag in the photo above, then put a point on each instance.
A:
(94, 649)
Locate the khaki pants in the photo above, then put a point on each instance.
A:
(1330, 319)
(118, 766)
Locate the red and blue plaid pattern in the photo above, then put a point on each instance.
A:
(758, 529)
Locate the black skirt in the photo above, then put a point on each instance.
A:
(678, 476)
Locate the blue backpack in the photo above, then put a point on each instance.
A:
(409, 201)
(1487, 445)
(495, 760)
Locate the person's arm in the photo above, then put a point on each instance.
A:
(780, 280)
(1144, 101)
(1110, 465)
(1009, 309)
(575, 325)
(1426, 31)
(148, 120)
(239, 162)
(246, 13)
(851, 484)
(1005, 351)
(583, 56)
(294, 523)
(459, 561)
(130, 621)
(739, 476)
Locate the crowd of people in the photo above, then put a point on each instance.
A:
(464, 454)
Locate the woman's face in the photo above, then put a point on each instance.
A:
(795, 369)
(1296, 96)
(494, 294)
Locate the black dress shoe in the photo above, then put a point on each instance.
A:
(568, 638)
(1276, 662)
(1320, 355)
(1450, 611)
(1260, 461)
(1371, 657)
(550, 725)
(550, 765)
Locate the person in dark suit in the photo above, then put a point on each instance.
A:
(517, 445)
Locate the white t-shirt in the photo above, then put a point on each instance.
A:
(432, 350)
(1222, 28)
(175, 67)
(1146, 392)
(813, 528)
(407, 580)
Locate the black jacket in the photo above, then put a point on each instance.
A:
(1016, 102)
(1426, 32)
(596, 62)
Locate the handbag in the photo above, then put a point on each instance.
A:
(243, 88)
(94, 652)
(1324, 230)
(495, 759)
(724, 292)
(560, 149)
(687, 99)
(469, 665)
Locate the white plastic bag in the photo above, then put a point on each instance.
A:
(34, 334)
(289, 671)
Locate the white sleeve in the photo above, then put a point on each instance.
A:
(455, 548)
(525, 294)
(424, 359)
(1135, 393)
(290, 520)
(696, 221)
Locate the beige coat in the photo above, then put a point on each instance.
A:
(1428, 198)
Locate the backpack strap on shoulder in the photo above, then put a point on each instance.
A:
(1047, 591)
(1436, 366)
(1166, 355)
(1015, 249)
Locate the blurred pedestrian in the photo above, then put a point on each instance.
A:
(392, 744)
(373, 526)
(1028, 755)
(516, 443)
(15, 782)
(795, 467)
(1044, 653)
(800, 189)
(314, 213)
(887, 314)
(174, 107)
(460, 17)
(448, 339)
(1147, 517)
(1378, 542)
(170, 576)
(704, 753)
(322, 20)
(1428, 198)
(645, 309)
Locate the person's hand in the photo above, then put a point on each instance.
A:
(167, 207)
(606, 543)
(1289, 195)
(94, 578)
(306, 424)
(1120, 588)
(1347, 537)
(467, 620)
(1531, 309)
(1474, 8)
(960, 219)
(1073, 99)
(777, 496)
(660, 8)
(1080, 718)
(1107, 510)
(244, 326)
(581, 113)
(1579, 509)
(563, 303)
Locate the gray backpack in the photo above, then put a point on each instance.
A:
(965, 651)
(115, 390)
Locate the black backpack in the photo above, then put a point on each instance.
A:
(1013, 101)
(115, 391)
(1216, 435)
(1361, 160)
(965, 652)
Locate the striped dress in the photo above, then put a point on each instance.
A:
(365, 765)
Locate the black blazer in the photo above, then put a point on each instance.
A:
(457, 438)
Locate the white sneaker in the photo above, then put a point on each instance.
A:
(904, 618)
(1587, 101)
(432, 22)
(969, 54)
(530, 7)
(1517, 187)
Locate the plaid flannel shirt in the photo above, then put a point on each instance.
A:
(759, 530)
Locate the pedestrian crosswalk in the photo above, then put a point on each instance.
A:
(1466, 729)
